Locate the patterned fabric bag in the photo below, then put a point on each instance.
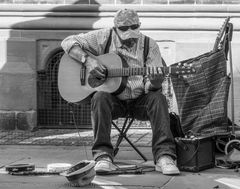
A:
(202, 97)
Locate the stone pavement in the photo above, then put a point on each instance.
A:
(63, 146)
(41, 156)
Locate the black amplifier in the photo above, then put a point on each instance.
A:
(195, 153)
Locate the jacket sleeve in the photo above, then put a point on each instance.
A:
(93, 41)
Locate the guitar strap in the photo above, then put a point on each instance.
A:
(108, 43)
(146, 49)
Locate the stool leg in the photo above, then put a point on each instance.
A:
(136, 149)
(119, 140)
(122, 134)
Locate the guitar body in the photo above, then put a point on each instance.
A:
(69, 80)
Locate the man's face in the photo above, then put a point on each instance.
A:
(127, 25)
(129, 31)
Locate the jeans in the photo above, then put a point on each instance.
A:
(152, 106)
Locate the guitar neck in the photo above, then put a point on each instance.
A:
(131, 71)
(121, 72)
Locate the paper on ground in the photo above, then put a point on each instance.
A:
(231, 182)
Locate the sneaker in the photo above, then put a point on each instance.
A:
(167, 166)
(104, 165)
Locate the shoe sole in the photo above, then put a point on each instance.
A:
(157, 168)
(100, 172)
(103, 171)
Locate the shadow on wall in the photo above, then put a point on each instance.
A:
(33, 69)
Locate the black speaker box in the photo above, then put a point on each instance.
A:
(195, 154)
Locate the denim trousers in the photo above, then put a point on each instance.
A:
(151, 106)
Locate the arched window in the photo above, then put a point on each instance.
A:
(53, 111)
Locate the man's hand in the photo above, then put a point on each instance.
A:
(97, 69)
(156, 80)
(154, 83)
(156, 77)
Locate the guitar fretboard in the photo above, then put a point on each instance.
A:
(130, 71)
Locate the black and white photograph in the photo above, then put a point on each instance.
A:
(120, 94)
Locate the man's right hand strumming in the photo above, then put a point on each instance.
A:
(97, 69)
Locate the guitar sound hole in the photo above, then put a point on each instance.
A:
(95, 82)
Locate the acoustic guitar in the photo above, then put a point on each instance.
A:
(76, 84)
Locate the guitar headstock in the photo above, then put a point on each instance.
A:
(182, 69)
(220, 33)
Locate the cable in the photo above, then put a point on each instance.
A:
(75, 124)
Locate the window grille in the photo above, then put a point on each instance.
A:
(53, 111)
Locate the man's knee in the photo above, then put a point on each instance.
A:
(158, 97)
(100, 97)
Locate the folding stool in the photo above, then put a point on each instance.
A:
(123, 134)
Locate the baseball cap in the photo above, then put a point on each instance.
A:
(126, 17)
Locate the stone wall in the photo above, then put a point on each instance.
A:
(117, 2)
(30, 34)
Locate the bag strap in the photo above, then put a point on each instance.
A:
(108, 43)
